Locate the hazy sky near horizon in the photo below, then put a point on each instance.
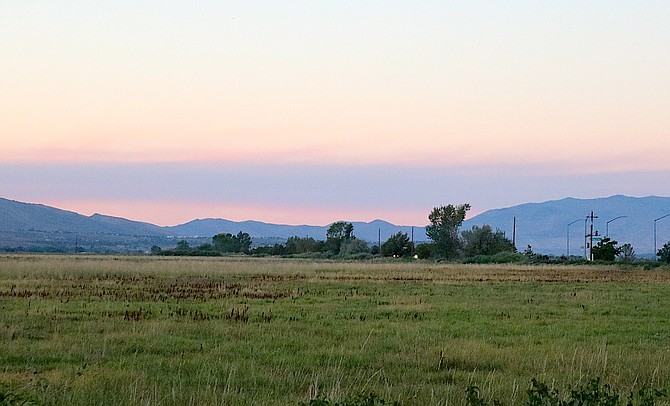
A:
(311, 112)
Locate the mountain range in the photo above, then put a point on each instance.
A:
(543, 226)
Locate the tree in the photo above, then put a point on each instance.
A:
(182, 247)
(425, 250)
(243, 241)
(626, 253)
(297, 245)
(443, 228)
(224, 242)
(483, 241)
(353, 246)
(338, 232)
(664, 253)
(606, 250)
(399, 245)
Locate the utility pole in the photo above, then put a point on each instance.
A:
(592, 216)
(586, 235)
(379, 239)
(514, 233)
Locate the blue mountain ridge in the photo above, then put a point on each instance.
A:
(543, 226)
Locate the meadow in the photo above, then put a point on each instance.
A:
(110, 330)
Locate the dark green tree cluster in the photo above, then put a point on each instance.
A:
(226, 242)
(223, 243)
(484, 241)
(340, 243)
(297, 245)
(398, 245)
(605, 250)
(608, 250)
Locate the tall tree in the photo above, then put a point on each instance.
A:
(338, 232)
(443, 228)
(243, 241)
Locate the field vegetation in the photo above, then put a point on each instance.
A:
(84, 330)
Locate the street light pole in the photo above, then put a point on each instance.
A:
(662, 217)
(567, 244)
(607, 225)
(592, 216)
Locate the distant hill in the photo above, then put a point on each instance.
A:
(365, 231)
(541, 225)
(30, 225)
(18, 216)
(544, 226)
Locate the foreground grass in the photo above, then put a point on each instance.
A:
(168, 331)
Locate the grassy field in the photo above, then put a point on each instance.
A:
(236, 331)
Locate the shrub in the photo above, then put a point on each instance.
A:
(593, 393)
(353, 247)
(425, 250)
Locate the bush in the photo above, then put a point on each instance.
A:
(425, 250)
(593, 393)
(352, 247)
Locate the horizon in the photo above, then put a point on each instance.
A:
(303, 112)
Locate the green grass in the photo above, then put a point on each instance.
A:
(175, 331)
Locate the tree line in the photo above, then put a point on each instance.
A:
(448, 242)
(341, 242)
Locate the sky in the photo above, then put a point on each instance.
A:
(304, 112)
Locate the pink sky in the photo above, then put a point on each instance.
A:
(173, 213)
(564, 88)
